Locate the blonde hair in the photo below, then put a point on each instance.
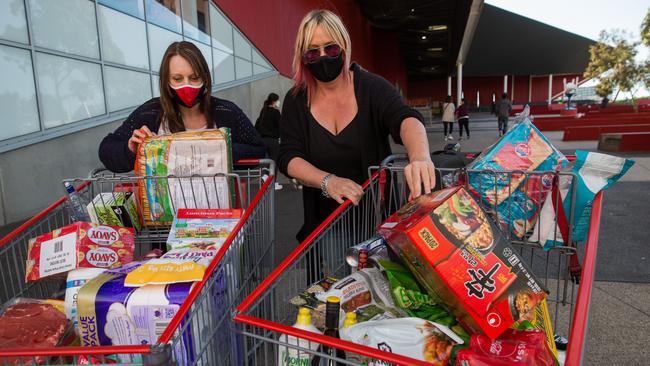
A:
(333, 26)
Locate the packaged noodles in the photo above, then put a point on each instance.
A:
(182, 155)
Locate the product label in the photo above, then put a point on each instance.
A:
(102, 257)
(103, 235)
(58, 255)
(151, 321)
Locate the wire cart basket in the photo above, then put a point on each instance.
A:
(201, 332)
(266, 313)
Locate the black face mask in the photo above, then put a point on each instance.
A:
(326, 68)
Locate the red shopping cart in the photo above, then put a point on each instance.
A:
(266, 314)
(200, 333)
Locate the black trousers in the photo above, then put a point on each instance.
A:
(463, 122)
(450, 126)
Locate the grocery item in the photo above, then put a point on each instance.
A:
(594, 172)
(202, 228)
(463, 261)
(412, 337)
(332, 312)
(78, 245)
(182, 155)
(76, 279)
(370, 245)
(366, 292)
(308, 299)
(350, 319)
(540, 319)
(115, 209)
(175, 266)
(498, 178)
(31, 325)
(76, 204)
(514, 347)
(110, 313)
(293, 356)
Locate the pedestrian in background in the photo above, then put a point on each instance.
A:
(503, 111)
(448, 110)
(268, 126)
(462, 114)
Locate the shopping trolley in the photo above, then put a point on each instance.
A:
(266, 313)
(201, 331)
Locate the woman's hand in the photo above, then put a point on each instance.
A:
(420, 172)
(138, 136)
(341, 188)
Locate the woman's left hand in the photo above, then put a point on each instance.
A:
(418, 173)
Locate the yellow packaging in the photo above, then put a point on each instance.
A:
(175, 266)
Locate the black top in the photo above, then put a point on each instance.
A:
(268, 123)
(114, 150)
(381, 111)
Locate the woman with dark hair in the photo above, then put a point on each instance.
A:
(185, 104)
(268, 126)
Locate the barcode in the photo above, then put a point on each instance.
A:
(159, 327)
(58, 246)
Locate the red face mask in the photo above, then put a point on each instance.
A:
(188, 95)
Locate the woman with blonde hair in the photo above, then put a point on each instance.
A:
(336, 121)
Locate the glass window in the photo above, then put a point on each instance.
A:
(13, 25)
(155, 79)
(165, 13)
(257, 69)
(243, 68)
(125, 88)
(242, 47)
(131, 7)
(70, 90)
(65, 25)
(159, 40)
(221, 31)
(124, 38)
(17, 94)
(205, 51)
(258, 59)
(223, 69)
(195, 20)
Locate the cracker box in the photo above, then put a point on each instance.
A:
(116, 209)
(202, 228)
(463, 260)
(78, 245)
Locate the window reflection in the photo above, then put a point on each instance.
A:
(195, 16)
(17, 95)
(131, 7)
(165, 13)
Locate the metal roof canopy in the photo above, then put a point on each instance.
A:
(506, 43)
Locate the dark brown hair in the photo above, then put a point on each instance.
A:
(170, 110)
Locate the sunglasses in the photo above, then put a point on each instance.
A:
(313, 54)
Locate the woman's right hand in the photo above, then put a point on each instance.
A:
(341, 188)
(138, 136)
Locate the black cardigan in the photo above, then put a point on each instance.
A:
(114, 152)
(376, 99)
(268, 123)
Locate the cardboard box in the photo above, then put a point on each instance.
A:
(202, 228)
(463, 260)
(78, 245)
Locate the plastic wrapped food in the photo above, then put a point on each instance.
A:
(175, 266)
(514, 347)
(181, 155)
(308, 300)
(412, 337)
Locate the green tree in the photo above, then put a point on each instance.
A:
(614, 65)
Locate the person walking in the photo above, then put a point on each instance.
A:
(503, 111)
(268, 126)
(448, 110)
(462, 114)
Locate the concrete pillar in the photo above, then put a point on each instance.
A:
(505, 83)
(478, 97)
(530, 88)
(459, 83)
(550, 88)
(448, 85)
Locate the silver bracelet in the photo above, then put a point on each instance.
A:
(323, 185)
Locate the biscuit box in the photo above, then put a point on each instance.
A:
(202, 228)
(78, 245)
(463, 260)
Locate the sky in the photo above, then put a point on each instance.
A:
(584, 17)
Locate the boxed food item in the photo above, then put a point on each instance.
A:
(412, 337)
(181, 155)
(498, 176)
(461, 258)
(31, 325)
(202, 228)
(115, 209)
(78, 245)
(175, 266)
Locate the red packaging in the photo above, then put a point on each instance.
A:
(79, 245)
(514, 347)
(463, 260)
